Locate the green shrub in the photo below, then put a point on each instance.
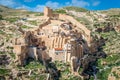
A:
(103, 75)
(34, 65)
(39, 14)
(11, 20)
(33, 23)
(1, 18)
(4, 72)
(24, 26)
(77, 9)
(2, 32)
(38, 77)
(12, 55)
(60, 11)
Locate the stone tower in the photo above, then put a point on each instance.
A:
(48, 12)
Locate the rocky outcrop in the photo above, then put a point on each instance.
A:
(4, 60)
(117, 28)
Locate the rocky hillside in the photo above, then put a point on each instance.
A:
(100, 19)
(9, 19)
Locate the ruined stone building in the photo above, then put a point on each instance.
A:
(64, 36)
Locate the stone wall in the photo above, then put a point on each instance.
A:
(86, 32)
(45, 23)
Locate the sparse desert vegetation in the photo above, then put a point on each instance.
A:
(92, 19)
